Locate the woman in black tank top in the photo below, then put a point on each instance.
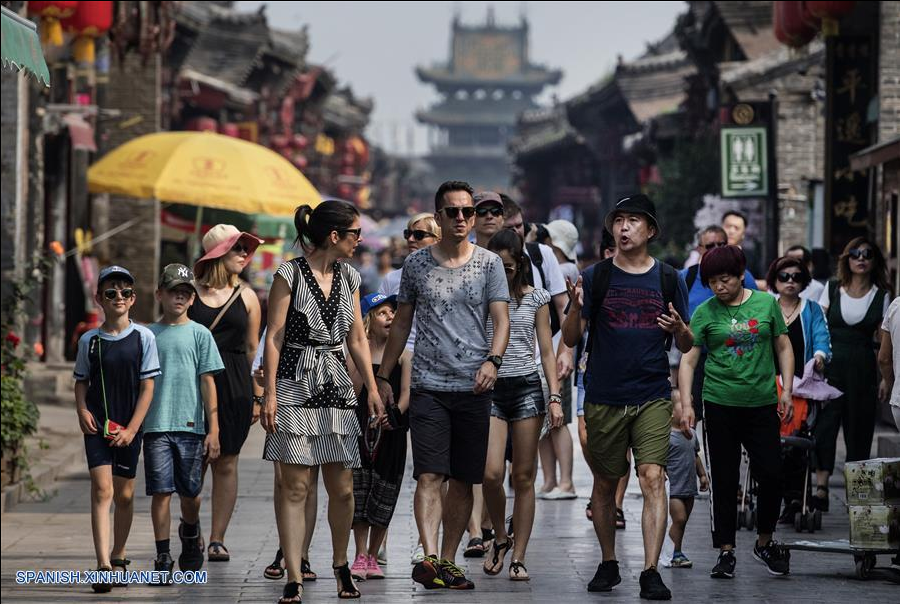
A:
(232, 312)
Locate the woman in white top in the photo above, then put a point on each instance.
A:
(855, 304)
(889, 359)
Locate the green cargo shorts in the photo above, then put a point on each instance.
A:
(611, 431)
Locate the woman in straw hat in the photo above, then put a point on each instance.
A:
(231, 311)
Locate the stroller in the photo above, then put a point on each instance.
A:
(797, 444)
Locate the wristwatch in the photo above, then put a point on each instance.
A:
(496, 359)
(258, 400)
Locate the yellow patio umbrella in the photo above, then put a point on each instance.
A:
(203, 169)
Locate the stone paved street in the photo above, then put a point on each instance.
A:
(563, 555)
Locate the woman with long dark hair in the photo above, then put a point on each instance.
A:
(310, 404)
(518, 407)
(855, 304)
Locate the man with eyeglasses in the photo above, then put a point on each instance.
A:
(451, 288)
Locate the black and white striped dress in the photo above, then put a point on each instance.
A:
(316, 418)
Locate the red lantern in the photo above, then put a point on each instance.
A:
(278, 141)
(50, 14)
(348, 159)
(300, 161)
(345, 191)
(202, 124)
(830, 13)
(230, 129)
(787, 21)
(348, 171)
(91, 20)
(299, 141)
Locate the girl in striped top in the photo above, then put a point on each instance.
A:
(518, 407)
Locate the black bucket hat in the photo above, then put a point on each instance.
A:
(634, 204)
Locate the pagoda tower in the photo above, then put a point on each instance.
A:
(486, 84)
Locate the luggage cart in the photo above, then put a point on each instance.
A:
(863, 557)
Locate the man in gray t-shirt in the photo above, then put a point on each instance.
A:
(451, 312)
(451, 288)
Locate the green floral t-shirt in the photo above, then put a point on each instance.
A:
(740, 368)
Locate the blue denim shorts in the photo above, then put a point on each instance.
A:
(173, 462)
(516, 398)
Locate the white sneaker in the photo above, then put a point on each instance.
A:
(418, 554)
(557, 494)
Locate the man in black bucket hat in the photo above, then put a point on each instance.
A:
(632, 305)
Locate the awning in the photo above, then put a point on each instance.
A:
(875, 155)
(22, 47)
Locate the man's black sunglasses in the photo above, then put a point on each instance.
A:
(417, 234)
(785, 277)
(715, 244)
(493, 211)
(452, 212)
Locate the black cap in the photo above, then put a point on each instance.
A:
(634, 204)
(174, 275)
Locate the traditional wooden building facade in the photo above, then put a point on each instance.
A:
(487, 82)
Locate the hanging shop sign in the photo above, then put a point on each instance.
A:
(850, 87)
(744, 162)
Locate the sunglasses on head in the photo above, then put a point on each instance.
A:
(241, 248)
(715, 244)
(113, 293)
(861, 254)
(785, 277)
(355, 232)
(417, 234)
(452, 212)
(493, 211)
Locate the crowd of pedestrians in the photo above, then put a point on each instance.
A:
(472, 355)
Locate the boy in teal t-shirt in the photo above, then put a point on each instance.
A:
(178, 430)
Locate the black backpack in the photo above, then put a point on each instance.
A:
(537, 258)
(668, 280)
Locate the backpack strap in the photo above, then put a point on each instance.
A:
(668, 281)
(692, 274)
(537, 259)
(833, 291)
(599, 287)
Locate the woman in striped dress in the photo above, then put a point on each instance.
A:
(310, 405)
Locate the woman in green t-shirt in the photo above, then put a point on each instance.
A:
(738, 327)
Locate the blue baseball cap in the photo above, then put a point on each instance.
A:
(373, 300)
(115, 272)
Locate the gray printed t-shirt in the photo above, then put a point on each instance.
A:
(451, 311)
(681, 466)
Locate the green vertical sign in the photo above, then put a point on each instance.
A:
(744, 162)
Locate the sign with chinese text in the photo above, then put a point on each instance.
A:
(487, 55)
(850, 87)
(744, 162)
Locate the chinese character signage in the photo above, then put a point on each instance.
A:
(744, 162)
(850, 88)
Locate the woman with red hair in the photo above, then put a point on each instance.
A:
(740, 328)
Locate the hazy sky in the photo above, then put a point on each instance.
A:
(374, 46)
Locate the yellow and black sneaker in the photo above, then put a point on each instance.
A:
(452, 576)
(428, 573)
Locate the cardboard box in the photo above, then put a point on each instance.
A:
(875, 526)
(873, 481)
